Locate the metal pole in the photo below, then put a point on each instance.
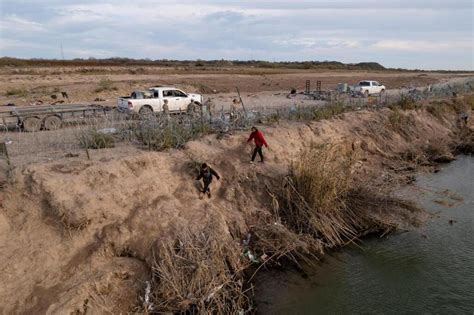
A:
(241, 102)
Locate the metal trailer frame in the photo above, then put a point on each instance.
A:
(49, 117)
(318, 94)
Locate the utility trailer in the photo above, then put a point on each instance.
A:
(318, 94)
(48, 117)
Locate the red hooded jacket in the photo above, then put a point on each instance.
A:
(257, 136)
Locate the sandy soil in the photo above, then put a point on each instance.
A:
(28, 85)
(77, 235)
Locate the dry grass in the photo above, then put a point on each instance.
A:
(402, 122)
(469, 101)
(405, 103)
(94, 139)
(319, 198)
(279, 242)
(315, 195)
(465, 141)
(105, 85)
(161, 132)
(308, 113)
(20, 92)
(201, 272)
(329, 111)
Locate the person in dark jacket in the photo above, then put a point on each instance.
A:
(259, 139)
(206, 174)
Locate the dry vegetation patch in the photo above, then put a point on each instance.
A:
(199, 272)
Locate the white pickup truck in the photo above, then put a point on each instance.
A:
(152, 100)
(367, 88)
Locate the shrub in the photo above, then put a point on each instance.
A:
(200, 272)
(301, 113)
(405, 103)
(436, 109)
(320, 198)
(315, 194)
(398, 120)
(329, 111)
(105, 85)
(469, 101)
(274, 118)
(93, 139)
(306, 113)
(17, 92)
(161, 133)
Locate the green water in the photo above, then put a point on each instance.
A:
(429, 270)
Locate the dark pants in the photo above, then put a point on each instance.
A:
(206, 186)
(258, 149)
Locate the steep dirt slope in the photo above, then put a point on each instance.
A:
(77, 236)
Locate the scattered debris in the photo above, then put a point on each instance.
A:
(38, 102)
(107, 131)
(343, 88)
(147, 304)
(250, 256)
(444, 203)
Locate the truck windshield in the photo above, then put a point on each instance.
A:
(364, 83)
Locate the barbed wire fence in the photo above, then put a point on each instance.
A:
(161, 131)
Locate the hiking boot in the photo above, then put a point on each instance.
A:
(251, 162)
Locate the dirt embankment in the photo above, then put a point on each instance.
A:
(82, 237)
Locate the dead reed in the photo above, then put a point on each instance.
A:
(95, 139)
(200, 272)
(319, 197)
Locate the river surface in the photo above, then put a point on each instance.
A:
(429, 270)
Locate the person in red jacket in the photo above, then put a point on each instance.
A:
(259, 140)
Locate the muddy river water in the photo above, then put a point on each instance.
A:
(429, 270)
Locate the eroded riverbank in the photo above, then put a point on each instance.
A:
(100, 230)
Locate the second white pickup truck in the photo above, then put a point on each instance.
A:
(152, 100)
(367, 88)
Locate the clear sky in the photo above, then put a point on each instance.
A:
(425, 34)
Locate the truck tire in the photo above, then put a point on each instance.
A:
(366, 93)
(52, 122)
(382, 92)
(146, 111)
(32, 124)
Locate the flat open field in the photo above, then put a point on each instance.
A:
(23, 86)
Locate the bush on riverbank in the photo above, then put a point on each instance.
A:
(201, 272)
